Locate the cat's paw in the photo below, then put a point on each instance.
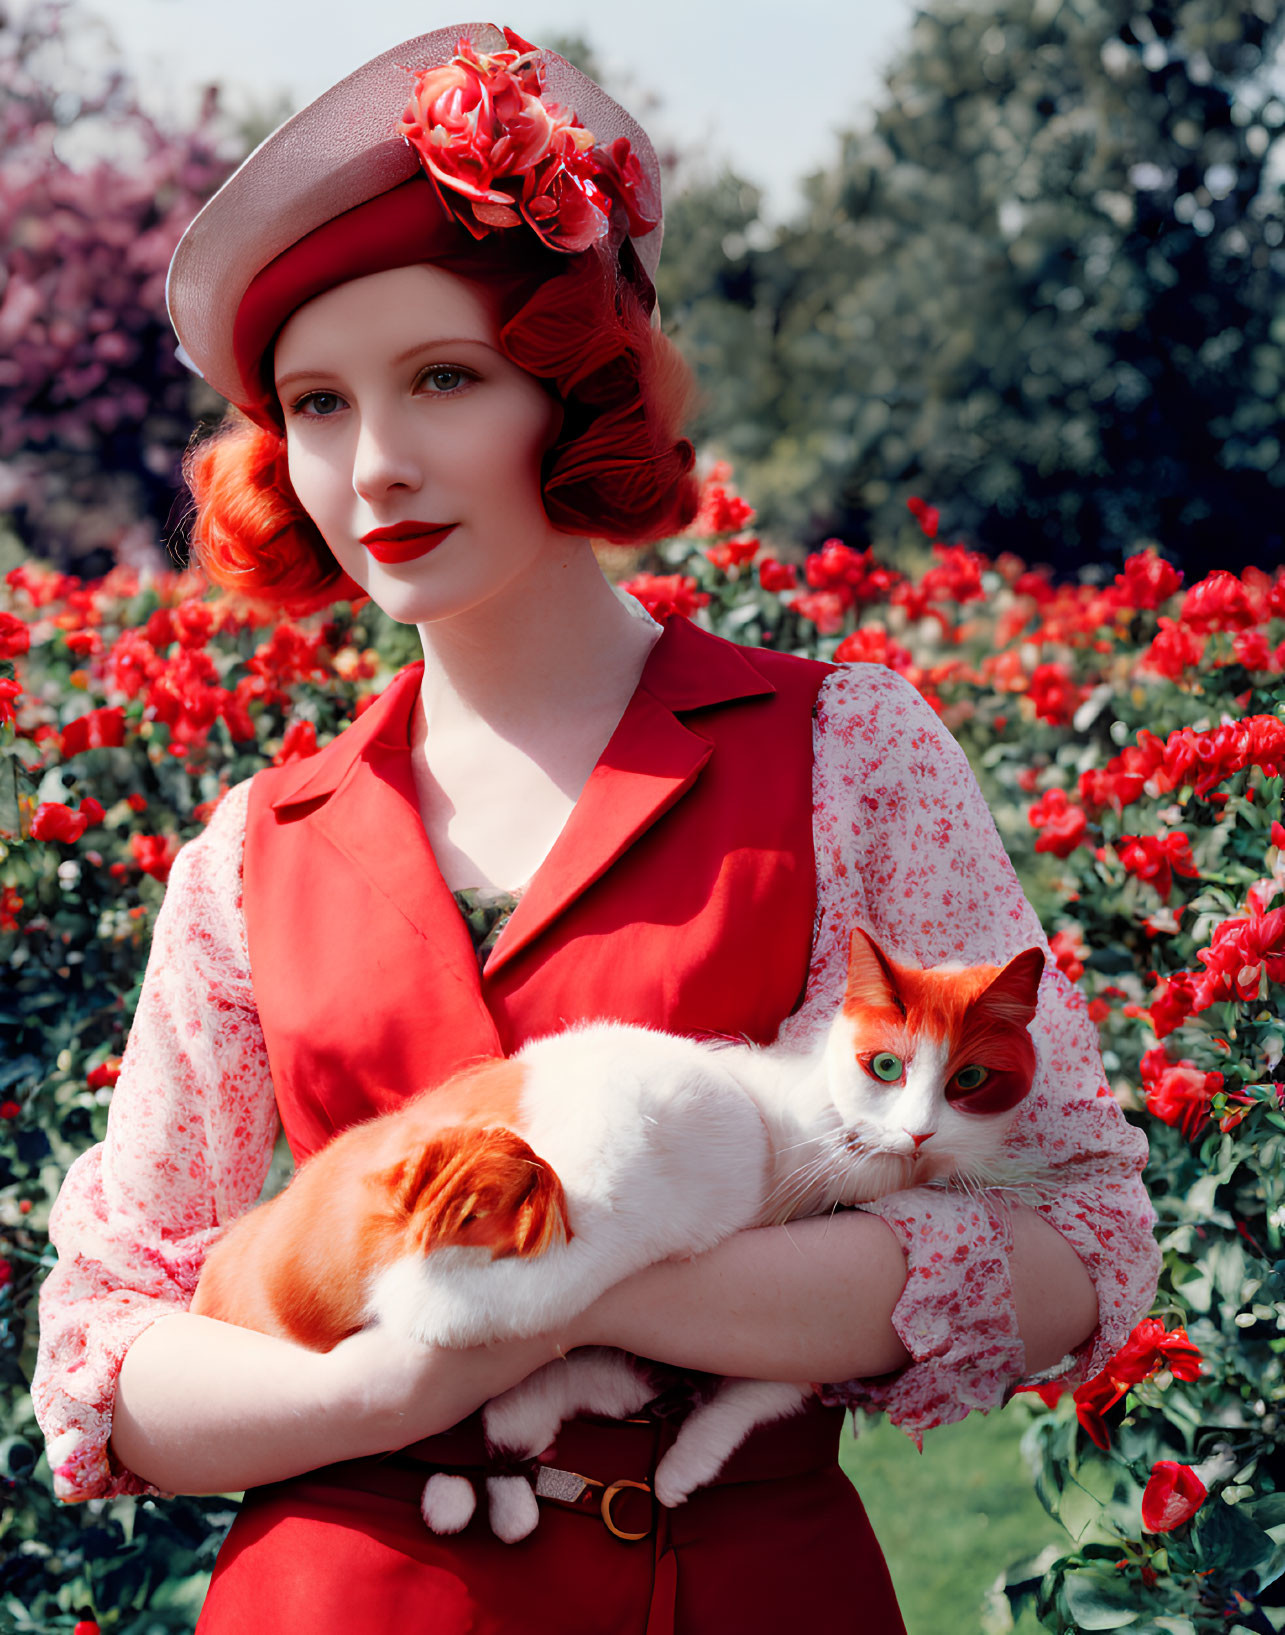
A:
(512, 1506)
(677, 1477)
(447, 1503)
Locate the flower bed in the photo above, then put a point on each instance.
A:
(1130, 736)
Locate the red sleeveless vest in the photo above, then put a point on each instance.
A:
(680, 895)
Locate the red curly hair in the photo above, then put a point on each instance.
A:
(620, 469)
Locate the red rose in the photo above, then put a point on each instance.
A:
(1157, 858)
(666, 594)
(1178, 1093)
(1218, 602)
(1062, 826)
(871, 644)
(193, 620)
(104, 1076)
(10, 904)
(1053, 693)
(159, 629)
(299, 742)
(10, 1109)
(732, 553)
(10, 692)
(154, 854)
(54, 821)
(1174, 650)
(1147, 581)
(15, 637)
(927, 516)
(777, 576)
(719, 511)
(499, 154)
(1173, 1496)
(99, 729)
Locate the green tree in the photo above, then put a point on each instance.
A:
(1044, 287)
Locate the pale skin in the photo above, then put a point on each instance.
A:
(399, 407)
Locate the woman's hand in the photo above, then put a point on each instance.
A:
(407, 1391)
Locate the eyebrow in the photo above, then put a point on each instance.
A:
(402, 357)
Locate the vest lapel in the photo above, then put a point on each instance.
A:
(651, 762)
(365, 805)
(364, 798)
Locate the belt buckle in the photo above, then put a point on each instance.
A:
(569, 1487)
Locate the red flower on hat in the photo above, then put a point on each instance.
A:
(501, 155)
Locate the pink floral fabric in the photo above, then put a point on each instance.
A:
(906, 845)
(190, 1136)
(904, 842)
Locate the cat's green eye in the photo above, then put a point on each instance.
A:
(971, 1078)
(887, 1067)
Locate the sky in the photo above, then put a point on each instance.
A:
(763, 86)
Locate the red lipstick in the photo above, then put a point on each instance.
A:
(405, 541)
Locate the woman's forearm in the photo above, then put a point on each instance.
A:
(813, 1301)
(206, 1407)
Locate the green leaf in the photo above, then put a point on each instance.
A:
(1098, 1602)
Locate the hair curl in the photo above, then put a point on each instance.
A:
(620, 470)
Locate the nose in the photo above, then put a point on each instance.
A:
(920, 1139)
(385, 460)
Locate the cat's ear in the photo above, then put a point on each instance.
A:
(872, 982)
(1013, 995)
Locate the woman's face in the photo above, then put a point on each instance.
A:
(400, 409)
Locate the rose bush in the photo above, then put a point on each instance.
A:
(1140, 801)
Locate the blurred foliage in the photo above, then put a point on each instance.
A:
(96, 410)
(1045, 285)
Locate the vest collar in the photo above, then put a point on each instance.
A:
(651, 762)
(687, 669)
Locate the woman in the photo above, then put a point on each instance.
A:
(452, 381)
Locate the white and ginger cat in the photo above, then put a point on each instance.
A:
(506, 1201)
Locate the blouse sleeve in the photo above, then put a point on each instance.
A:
(189, 1139)
(906, 845)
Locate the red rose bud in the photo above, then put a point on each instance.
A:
(9, 1109)
(299, 742)
(136, 803)
(927, 516)
(54, 821)
(104, 1076)
(15, 638)
(99, 729)
(777, 576)
(10, 693)
(1173, 1496)
(85, 1626)
(155, 854)
(92, 811)
(6, 1273)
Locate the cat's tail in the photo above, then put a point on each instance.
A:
(483, 1188)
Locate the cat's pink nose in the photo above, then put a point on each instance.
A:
(920, 1139)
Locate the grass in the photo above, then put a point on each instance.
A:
(953, 1518)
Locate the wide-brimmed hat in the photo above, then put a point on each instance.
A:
(340, 152)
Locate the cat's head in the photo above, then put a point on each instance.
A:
(925, 1067)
